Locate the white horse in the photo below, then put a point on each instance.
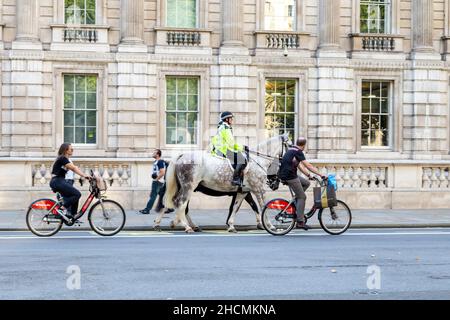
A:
(190, 169)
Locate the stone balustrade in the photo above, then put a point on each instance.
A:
(183, 38)
(80, 38)
(436, 177)
(80, 35)
(377, 42)
(273, 40)
(358, 176)
(281, 41)
(115, 174)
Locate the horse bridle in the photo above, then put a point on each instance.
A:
(284, 148)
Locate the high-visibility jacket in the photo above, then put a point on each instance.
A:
(224, 141)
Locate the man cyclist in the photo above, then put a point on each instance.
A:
(224, 145)
(294, 158)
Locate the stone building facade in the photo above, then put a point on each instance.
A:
(367, 82)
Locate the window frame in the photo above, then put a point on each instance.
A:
(197, 14)
(394, 17)
(296, 109)
(84, 24)
(299, 24)
(100, 13)
(85, 110)
(396, 112)
(301, 119)
(203, 104)
(202, 14)
(166, 111)
(100, 71)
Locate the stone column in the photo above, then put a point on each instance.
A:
(27, 29)
(233, 23)
(422, 12)
(132, 25)
(329, 26)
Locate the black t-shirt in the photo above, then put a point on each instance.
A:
(58, 167)
(290, 162)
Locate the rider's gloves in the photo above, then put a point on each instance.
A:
(246, 149)
(324, 177)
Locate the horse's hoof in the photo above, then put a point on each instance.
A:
(189, 230)
(157, 228)
(259, 226)
(172, 225)
(232, 230)
(197, 229)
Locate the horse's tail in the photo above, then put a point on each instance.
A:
(172, 184)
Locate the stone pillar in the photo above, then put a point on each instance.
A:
(132, 26)
(329, 15)
(233, 24)
(422, 12)
(27, 28)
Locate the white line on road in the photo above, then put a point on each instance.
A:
(223, 234)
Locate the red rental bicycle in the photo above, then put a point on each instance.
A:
(106, 217)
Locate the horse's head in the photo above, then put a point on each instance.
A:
(275, 146)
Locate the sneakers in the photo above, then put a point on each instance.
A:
(144, 211)
(302, 225)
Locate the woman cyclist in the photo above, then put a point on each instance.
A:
(58, 183)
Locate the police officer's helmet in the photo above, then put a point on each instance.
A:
(225, 115)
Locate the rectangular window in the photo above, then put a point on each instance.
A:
(79, 11)
(375, 16)
(280, 15)
(280, 107)
(375, 114)
(182, 106)
(80, 109)
(182, 13)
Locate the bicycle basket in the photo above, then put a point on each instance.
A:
(100, 182)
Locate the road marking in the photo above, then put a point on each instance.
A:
(219, 233)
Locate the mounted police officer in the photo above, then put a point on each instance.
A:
(224, 145)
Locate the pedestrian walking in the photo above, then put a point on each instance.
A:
(158, 172)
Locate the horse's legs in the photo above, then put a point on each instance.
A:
(249, 199)
(230, 210)
(260, 199)
(238, 199)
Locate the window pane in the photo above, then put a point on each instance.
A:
(290, 104)
(281, 87)
(192, 120)
(80, 4)
(171, 13)
(91, 101)
(80, 83)
(181, 136)
(91, 82)
(365, 122)
(171, 120)
(80, 101)
(291, 86)
(375, 106)
(280, 107)
(181, 120)
(69, 83)
(68, 3)
(192, 103)
(171, 135)
(365, 89)
(192, 133)
(171, 85)
(280, 15)
(68, 134)
(80, 135)
(69, 101)
(376, 90)
(80, 118)
(182, 102)
(90, 17)
(384, 122)
(384, 105)
(385, 89)
(91, 118)
(385, 138)
(69, 118)
(90, 4)
(365, 138)
(376, 138)
(365, 105)
(290, 121)
(91, 135)
(182, 86)
(171, 102)
(193, 86)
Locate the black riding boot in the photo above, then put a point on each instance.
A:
(237, 180)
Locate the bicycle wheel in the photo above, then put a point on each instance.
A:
(107, 217)
(41, 220)
(335, 220)
(276, 219)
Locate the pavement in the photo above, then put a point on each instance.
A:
(367, 264)
(245, 220)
